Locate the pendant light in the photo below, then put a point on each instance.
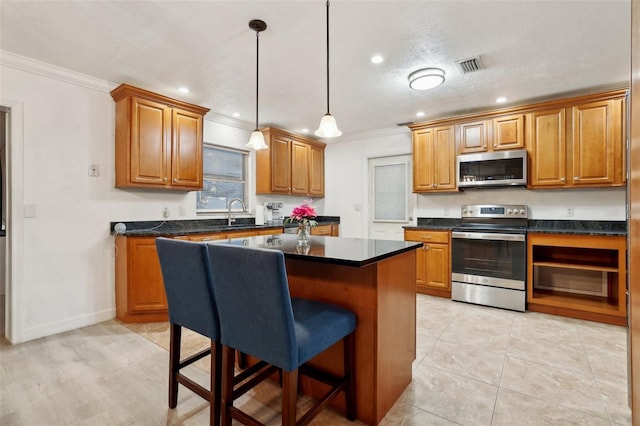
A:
(328, 126)
(256, 141)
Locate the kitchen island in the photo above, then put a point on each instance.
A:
(376, 280)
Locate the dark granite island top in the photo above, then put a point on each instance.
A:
(333, 250)
(376, 280)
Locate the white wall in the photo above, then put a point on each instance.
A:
(64, 270)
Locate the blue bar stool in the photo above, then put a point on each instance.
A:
(259, 317)
(187, 282)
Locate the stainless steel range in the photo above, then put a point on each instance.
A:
(488, 256)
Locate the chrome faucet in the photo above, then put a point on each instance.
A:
(229, 218)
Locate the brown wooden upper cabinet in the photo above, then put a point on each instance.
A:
(497, 134)
(578, 146)
(158, 141)
(434, 159)
(291, 165)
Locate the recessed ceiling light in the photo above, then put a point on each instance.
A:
(236, 114)
(305, 130)
(501, 100)
(377, 59)
(420, 114)
(183, 89)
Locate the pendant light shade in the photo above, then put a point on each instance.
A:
(256, 141)
(328, 126)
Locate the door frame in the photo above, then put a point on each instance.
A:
(14, 257)
(366, 189)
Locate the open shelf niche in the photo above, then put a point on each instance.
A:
(579, 276)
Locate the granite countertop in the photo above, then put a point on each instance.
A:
(355, 252)
(170, 228)
(575, 227)
(578, 227)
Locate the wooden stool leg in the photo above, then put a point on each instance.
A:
(350, 369)
(175, 334)
(228, 361)
(216, 384)
(289, 397)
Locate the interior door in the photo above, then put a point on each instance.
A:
(390, 197)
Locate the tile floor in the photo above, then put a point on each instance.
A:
(474, 366)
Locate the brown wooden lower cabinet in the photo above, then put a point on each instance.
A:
(433, 261)
(140, 293)
(326, 230)
(578, 276)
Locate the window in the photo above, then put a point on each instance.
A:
(225, 178)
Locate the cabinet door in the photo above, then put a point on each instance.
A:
(473, 137)
(150, 147)
(299, 168)
(186, 164)
(316, 171)
(145, 285)
(547, 148)
(421, 269)
(423, 160)
(438, 274)
(508, 132)
(444, 158)
(594, 136)
(280, 165)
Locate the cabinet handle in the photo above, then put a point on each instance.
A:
(576, 178)
(164, 179)
(484, 146)
(562, 180)
(426, 247)
(435, 185)
(426, 237)
(175, 180)
(495, 145)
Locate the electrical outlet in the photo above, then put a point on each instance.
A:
(570, 212)
(165, 212)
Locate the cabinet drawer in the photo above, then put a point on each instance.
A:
(208, 237)
(321, 230)
(427, 236)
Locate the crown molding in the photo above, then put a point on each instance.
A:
(371, 134)
(33, 66)
(228, 121)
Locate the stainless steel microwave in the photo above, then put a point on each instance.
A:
(502, 168)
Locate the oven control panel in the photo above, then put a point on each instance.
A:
(494, 211)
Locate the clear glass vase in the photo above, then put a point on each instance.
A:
(303, 234)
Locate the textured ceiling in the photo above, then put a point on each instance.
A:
(530, 50)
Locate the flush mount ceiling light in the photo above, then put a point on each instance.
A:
(256, 141)
(328, 126)
(426, 78)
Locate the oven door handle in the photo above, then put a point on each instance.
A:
(487, 236)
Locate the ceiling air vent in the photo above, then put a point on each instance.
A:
(470, 65)
(406, 123)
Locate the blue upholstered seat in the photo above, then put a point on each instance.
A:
(188, 286)
(258, 317)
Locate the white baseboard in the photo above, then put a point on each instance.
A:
(65, 325)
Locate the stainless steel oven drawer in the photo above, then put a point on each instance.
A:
(489, 296)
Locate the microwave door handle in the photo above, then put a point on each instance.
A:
(487, 236)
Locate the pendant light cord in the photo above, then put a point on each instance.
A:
(257, 69)
(327, 57)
